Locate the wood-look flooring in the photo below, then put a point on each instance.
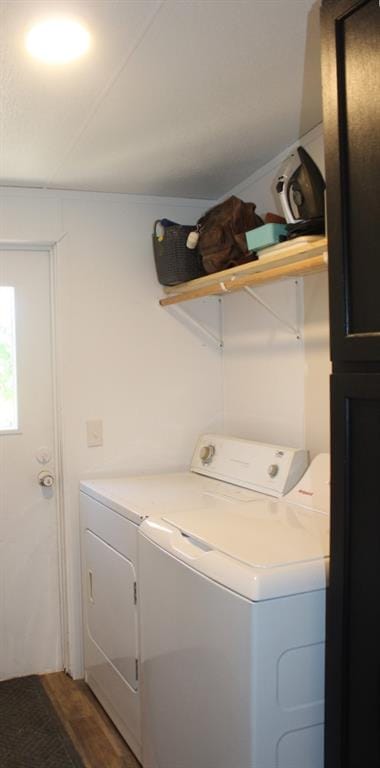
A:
(93, 734)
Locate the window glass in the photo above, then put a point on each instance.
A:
(8, 378)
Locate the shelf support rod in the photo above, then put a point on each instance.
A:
(195, 324)
(293, 328)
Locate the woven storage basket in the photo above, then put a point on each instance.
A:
(175, 263)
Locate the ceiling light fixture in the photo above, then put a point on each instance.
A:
(58, 41)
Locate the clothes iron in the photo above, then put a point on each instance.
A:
(301, 186)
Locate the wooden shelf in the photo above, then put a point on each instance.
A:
(295, 258)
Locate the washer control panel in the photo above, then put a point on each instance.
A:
(270, 469)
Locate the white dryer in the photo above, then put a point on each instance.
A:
(224, 472)
(232, 619)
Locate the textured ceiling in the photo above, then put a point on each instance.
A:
(179, 98)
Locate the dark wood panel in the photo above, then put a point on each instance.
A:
(93, 734)
(353, 605)
(359, 72)
(351, 98)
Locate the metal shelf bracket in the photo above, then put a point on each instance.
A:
(294, 329)
(187, 319)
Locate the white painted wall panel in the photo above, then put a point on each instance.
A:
(277, 388)
(263, 368)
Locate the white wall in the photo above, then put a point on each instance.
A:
(121, 357)
(276, 387)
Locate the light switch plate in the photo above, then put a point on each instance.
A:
(94, 433)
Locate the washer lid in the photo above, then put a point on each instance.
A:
(266, 534)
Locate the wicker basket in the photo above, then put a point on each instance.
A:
(175, 263)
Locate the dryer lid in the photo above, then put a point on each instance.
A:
(141, 496)
(263, 535)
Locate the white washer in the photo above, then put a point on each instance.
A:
(232, 631)
(224, 472)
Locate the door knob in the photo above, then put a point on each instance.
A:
(46, 479)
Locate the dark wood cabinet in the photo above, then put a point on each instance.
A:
(351, 99)
(353, 621)
(351, 92)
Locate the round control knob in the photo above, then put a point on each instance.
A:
(272, 470)
(206, 453)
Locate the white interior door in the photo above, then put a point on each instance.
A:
(30, 633)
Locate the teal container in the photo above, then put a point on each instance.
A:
(266, 235)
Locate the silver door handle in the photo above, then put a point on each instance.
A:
(46, 479)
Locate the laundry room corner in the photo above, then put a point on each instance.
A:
(189, 383)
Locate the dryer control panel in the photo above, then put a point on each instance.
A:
(263, 467)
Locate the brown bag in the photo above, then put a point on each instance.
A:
(222, 242)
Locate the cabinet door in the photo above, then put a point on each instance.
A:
(353, 612)
(351, 103)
